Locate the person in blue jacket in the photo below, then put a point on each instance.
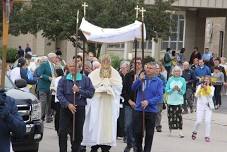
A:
(10, 122)
(149, 93)
(80, 85)
(202, 70)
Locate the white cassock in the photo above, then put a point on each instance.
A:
(102, 111)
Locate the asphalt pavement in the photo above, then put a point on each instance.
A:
(162, 141)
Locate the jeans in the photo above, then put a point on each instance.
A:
(217, 94)
(128, 126)
(44, 98)
(159, 116)
(149, 118)
(66, 127)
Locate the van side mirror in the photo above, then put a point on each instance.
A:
(20, 83)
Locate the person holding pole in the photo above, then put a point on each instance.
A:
(73, 88)
(149, 93)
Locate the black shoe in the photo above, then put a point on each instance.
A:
(159, 129)
(135, 149)
(127, 148)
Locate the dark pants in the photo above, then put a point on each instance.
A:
(188, 99)
(120, 123)
(217, 94)
(105, 148)
(128, 126)
(65, 128)
(168, 69)
(150, 118)
(57, 116)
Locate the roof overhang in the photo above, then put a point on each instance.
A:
(213, 4)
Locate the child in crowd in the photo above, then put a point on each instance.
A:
(205, 105)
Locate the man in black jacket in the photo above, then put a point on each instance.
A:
(190, 79)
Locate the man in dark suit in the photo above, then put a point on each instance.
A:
(46, 73)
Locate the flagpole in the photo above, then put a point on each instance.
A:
(76, 50)
(142, 47)
(135, 42)
(84, 5)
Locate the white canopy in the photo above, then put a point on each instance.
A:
(110, 35)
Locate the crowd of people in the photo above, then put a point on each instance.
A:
(84, 101)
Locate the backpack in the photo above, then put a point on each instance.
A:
(167, 58)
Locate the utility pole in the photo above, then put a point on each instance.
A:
(6, 8)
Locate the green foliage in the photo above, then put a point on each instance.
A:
(115, 61)
(57, 18)
(148, 59)
(11, 55)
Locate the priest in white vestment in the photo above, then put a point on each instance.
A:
(102, 111)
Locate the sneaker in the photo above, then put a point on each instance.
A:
(207, 139)
(194, 135)
(181, 134)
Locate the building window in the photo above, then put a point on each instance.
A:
(176, 40)
(118, 45)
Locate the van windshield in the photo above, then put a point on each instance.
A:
(8, 83)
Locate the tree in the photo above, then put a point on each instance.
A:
(57, 18)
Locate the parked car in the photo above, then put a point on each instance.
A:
(29, 108)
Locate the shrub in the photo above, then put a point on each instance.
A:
(11, 55)
(148, 59)
(115, 61)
